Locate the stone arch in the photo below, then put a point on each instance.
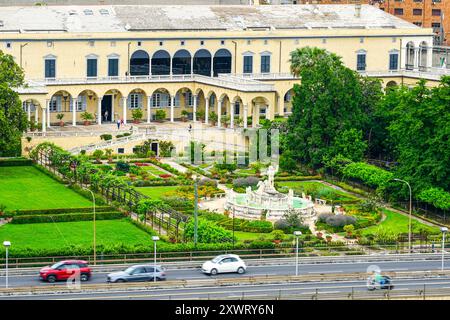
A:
(184, 97)
(161, 63)
(161, 98)
(202, 62)
(60, 101)
(410, 55)
(181, 62)
(423, 55)
(260, 107)
(140, 63)
(222, 62)
(112, 102)
(391, 84)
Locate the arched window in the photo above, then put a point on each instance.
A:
(161, 63)
(140, 63)
(181, 62)
(202, 62)
(410, 55)
(222, 62)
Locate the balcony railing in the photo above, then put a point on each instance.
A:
(226, 81)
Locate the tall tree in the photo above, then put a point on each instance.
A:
(13, 121)
(331, 100)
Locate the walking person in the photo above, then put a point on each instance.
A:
(118, 124)
(106, 115)
(122, 123)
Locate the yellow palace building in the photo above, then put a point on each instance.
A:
(233, 60)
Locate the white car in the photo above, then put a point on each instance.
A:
(224, 263)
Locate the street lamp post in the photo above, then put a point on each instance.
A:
(444, 230)
(95, 230)
(195, 209)
(410, 212)
(155, 239)
(6, 244)
(296, 234)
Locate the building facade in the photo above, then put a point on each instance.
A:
(191, 61)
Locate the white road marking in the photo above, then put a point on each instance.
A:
(325, 271)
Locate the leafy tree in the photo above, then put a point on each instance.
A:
(330, 102)
(350, 145)
(207, 232)
(13, 120)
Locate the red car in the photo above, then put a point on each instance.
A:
(63, 270)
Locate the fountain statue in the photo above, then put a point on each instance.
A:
(266, 199)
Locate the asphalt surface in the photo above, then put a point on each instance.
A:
(17, 280)
(307, 290)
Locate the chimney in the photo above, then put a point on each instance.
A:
(358, 10)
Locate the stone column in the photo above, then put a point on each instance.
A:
(232, 111)
(74, 111)
(212, 66)
(206, 110)
(192, 65)
(113, 102)
(124, 109)
(172, 105)
(99, 110)
(36, 114)
(48, 113)
(245, 115)
(170, 66)
(28, 104)
(219, 113)
(44, 118)
(149, 104)
(255, 116)
(416, 58)
(194, 109)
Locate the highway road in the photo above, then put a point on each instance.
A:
(30, 277)
(305, 290)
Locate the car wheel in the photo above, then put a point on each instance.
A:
(120, 281)
(84, 277)
(240, 270)
(213, 272)
(51, 279)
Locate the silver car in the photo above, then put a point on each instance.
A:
(138, 273)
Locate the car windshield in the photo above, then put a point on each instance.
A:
(130, 270)
(57, 265)
(217, 259)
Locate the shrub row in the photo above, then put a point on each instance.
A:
(70, 217)
(368, 174)
(297, 178)
(15, 162)
(239, 224)
(62, 210)
(437, 197)
(161, 182)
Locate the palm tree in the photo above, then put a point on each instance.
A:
(108, 153)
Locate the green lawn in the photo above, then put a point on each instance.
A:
(316, 189)
(63, 234)
(398, 223)
(154, 170)
(156, 192)
(28, 188)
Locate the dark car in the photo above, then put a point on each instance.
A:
(379, 282)
(63, 270)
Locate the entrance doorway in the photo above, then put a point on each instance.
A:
(155, 146)
(107, 108)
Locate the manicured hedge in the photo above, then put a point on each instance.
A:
(15, 162)
(70, 217)
(437, 197)
(63, 210)
(297, 178)
(368, 174)
(257, 226)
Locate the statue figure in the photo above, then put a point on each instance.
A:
(270, 175)
(261, 187)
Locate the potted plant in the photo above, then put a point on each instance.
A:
(329, 238)
(184, 115)
(137, 115)
(319, 235)
(226, 120)
(108, 153)
(87, 117)
(213, 118)
(32, 125)
(98, 154)
(60, 116)
(277, 236)
(160, 115)
(200, 115)
(238, 121)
